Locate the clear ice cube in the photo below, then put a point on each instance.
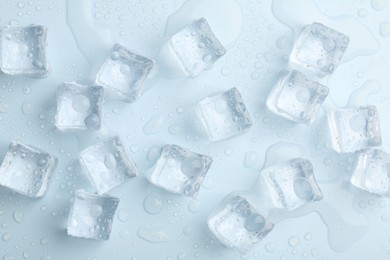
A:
(79, 107)
(27, 169)
(180, 170)
(123, 73)
(23, 50)
(107, 164)
(196, 47)
(292, 184)
(297, 98)
(372, 172)
(354, 129)
(319, 49)
(238, 224)
(224, 115)
(91, 216)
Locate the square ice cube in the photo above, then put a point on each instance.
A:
(180, 170)
(238, 224)
(372, 172)
(319, 49)
(354, 129)
(107, 164)
(292, 184)
(123, 73)
(23, 50)
(224, 115)
(27, 169)
(79, 107)
(297, 98)
(196, 47)
(91, 215)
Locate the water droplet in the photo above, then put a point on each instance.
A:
(194, 206)
(80, 103)
(123, 215)
(328, 44)
(303, 95)
(153, 235)
(95, 211)
(154, 125)
(384, 28)
(294, 241)
(92, 121)
(254, 222)
(357, 123)
(303, 189)
(378, 5)
(153, 204)
(18, 216)
(220, 106)
(7, 237)
(26, 108)
(109, 161)
(125, 69)
(192, 166)
(250, 160)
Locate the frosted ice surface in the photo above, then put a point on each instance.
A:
(91, 215)
(79, 107)
(27, 169)
(292, 184)
(123, 73)
(354, 129)
(196, 47)
(319, 49)
(297, 97)
(224, 115)
(23, 50)
(238, 224)
(180, 170)
(107, 164)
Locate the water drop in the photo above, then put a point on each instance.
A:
(95, 211)
(18, 216)
(80, 103)
(109, 161)
(153, 204)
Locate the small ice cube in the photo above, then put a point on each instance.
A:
(196, 47)
(297, 98)
(224, 115)
(123, 73)
(319, 49)
(91, 215)
(180, 170)
(372, 172)
(79, 107)
(23, 50)
(27, 169)
(238, 224)
(292, 184)
(354, 129)
(107, 164)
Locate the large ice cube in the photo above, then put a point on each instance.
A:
(292, 184)
(79, 107)
(224, 115)
(319, 49)
(91, 215)
(23, 50)
(27, 169)
(123, 73)
(180, 170)
(107, 164)
(354, 129)
(196, 47)
(297, 98)
(372, 172)
(238, 224)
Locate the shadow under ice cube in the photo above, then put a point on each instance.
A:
(354, 129)
(292, 184)
(79, 107)
(224, 115)
(107, 164)
(91, 215)
(180, 170)
(238, 224)
(23, 50)
(27, 170)
(297, 98)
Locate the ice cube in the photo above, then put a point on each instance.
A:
(180, 170)
(123, 73)
(79, 107)
(238, 224)
(27, 169)
(354, 129)
(107, 164)
(292, 184)
(224, 115)
(372, 172)
(91, 215)
(297, 97)
(23, 50)
(319, 49)
(196, 47)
